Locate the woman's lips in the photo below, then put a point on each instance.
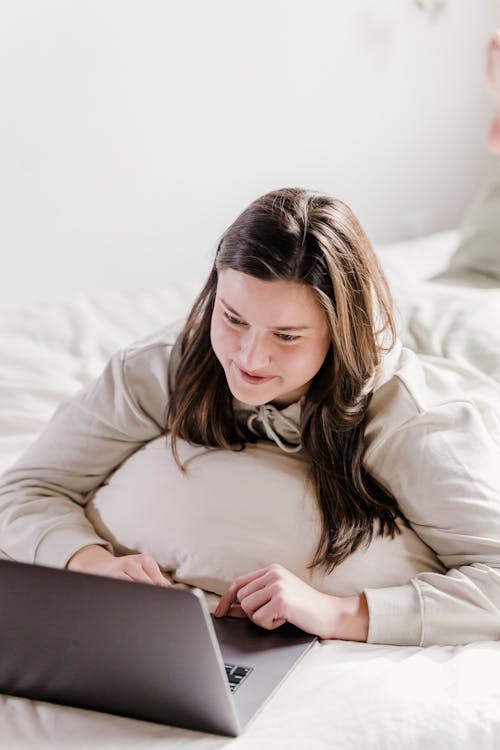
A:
(255, 380)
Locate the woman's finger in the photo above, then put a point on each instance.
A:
(229, 597)
(247, 584)
(132, 566)
(257, 584)
(255, 600)
(268, 616)
(235, 610)
(152, 569)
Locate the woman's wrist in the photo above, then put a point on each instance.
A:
(86, 558)
(350, 619)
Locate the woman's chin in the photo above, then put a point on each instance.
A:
(250, 397)
(250, 394)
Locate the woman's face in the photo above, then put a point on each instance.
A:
(271, 337)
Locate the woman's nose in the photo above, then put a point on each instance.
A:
(254, 352)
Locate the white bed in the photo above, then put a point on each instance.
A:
(343, 695)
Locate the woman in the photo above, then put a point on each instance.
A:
(292, 339)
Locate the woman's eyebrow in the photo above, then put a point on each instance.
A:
(275, 328)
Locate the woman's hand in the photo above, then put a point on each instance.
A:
(273, 595)
(97, 560)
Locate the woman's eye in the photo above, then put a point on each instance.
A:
(287, 337)
(231, 319)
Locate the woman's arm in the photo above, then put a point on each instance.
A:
(43, 494)
(274, 595)
(443, 466)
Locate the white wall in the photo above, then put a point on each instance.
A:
(133, 131)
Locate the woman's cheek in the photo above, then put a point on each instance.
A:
(223, 340)
(215, 335)
(302, 362)
(296, 358)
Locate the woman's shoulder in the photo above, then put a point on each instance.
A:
(163, 338)
(148, 362)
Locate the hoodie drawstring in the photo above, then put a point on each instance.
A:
(263, 413)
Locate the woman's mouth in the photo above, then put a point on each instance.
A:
(253, 379)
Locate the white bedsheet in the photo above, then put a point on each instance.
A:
(342, 695)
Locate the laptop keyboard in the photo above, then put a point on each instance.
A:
(236, 675)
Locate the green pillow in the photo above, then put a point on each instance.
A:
(476, 261)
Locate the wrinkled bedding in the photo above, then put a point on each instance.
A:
(342, 695)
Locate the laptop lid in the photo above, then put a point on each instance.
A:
(135, 649)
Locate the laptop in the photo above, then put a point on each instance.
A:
(137, 650)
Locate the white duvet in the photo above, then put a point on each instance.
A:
(342, 695)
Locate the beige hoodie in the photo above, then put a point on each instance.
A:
(433, 439)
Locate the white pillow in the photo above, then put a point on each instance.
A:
(235, 512)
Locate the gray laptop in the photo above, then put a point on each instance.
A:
(137, 650)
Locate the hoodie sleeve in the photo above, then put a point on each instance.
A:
(442, 466)
(42, 495)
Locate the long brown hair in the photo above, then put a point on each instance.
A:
(308, 237)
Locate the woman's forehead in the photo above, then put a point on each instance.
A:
(270, 303)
